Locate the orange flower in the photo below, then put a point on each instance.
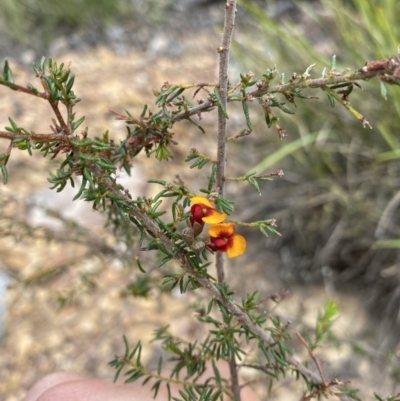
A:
(224, 239)
(203, 211)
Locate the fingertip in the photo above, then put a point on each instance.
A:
(49, 381)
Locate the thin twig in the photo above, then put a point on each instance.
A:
(224, 50)
(34, 137)
(219, 262)
(23, 89)
(54, 105)
(316, 361)
(389, 71)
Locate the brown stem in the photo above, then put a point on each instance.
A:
(60, 118)
(69, 119)
(54, 106)
(219, 261)
(224, 50)
(314, 358)
(8, 151)
(28, 91)
(35, 137)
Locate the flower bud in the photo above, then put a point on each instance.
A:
(188, 235)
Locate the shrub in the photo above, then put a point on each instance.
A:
(198, 221)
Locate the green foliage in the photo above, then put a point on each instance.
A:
(390, 398)
(44, 16)
(325, 322)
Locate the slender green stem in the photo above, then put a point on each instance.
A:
(278, 173)
(203, 156)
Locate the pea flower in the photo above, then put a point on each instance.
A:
(224, 239)
(203, 211)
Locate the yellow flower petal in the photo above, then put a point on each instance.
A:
(214, 217)
(226, 229)
(201, 199)
(239, 246)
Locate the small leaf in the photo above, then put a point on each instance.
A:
(76, 124)
(218, 99)
(126, 346)
(83, 185)
(140, 267)
(224, 205)
(153, 181)
(268, 119)
(33, 89)
(13, 125)
(4, 173)
(247, 116)
(162, 153)
(254, 183)
(117, 373)
(70, 83)
(42, 62)
(174, 95)
(7, 73)
(333, 62)
(144, 111)
(331, 99)
(383, 90)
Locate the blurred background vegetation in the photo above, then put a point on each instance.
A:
(338, 203)
(37, 25)
(45, 18)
